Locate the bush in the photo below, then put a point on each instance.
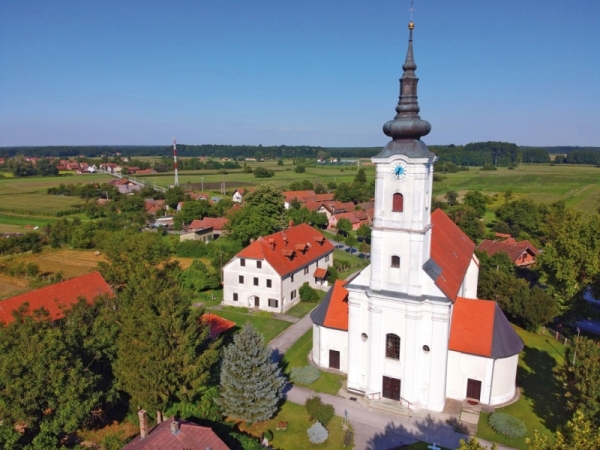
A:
(319, 411)
(305, 375)
(191, 249)
(300, 169)
(268, 434)
(261, 172)
(308, 294)
(507, 425)
(317, 434)
(247, 442)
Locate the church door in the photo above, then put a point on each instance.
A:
(391, 388)
(256, 302)
(334, 359)
(474, 389)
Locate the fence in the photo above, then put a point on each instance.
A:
(556, 335)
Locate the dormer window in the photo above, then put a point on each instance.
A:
(398, 203)
(395, 262)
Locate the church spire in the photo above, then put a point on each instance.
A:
(407, 124)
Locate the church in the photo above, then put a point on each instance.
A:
(409, 327)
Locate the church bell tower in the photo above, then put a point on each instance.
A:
(401, 235)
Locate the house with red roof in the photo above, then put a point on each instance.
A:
(522, 253)
(56, 297)
(299, 196)
(356, 218)
(174, 434)
(409, 329)
(269, 272)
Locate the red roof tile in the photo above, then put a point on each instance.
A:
(217, 324)
(320, 272)
(332, 312)
(452, 250)
(190, 437)
(300, 196)
(55, 296)
(511, 247)
(271, 248)
(216, 223)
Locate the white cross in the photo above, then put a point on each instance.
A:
(434, 447)
(411, 10)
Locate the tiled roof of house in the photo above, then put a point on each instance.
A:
(216, 223)
(479, 327)
(217, 324)
(332, 312)
(321, 198)
(347, 215)
(279, 249)
(320, 272)
(55, 296)
(300, 196)
(190, 436)
(511, 247)
(452, 251)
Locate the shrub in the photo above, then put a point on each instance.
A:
(191, 249)
(317, 434)
(268, 434)
(319, 411)
(247, 442)
(305, 375)
(507, 425)
(308, 294)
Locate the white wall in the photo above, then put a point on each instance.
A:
(468, 288)
(504, 381)
(325, 339)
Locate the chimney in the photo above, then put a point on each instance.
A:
(159, 417)
(175, 427)
(143, 423)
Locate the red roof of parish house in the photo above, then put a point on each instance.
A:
(510, 246)
(217, 324)
(289, 250)
(55, 296)
(332, 312)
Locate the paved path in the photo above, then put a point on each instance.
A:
(285, 340)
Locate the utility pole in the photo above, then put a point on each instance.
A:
(175, 161)
(202, 178)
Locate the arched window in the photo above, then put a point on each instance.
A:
(398, 203)
(392, 346)
(395, 261)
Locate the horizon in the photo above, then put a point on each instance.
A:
(280, 73)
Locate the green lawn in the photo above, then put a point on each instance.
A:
(351, 263)
(541, 406)
(268, 327)
(296, 356)
(296, 437)
(303, 308)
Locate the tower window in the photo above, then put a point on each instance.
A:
(392, 346)
(398, 203)
(395, 261)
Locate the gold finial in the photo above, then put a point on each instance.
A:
(411, 25)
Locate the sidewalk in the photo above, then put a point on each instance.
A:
(285, 340)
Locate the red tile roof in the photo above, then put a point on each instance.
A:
(55, 296)
(280, 254)
(190, 437)
(332, 312)
(320, 272)
(479, 327)
(217, 324)
(216, 223)
(511, 247)
(300, 196)
(452, 250)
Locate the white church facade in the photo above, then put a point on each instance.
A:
(409, 327)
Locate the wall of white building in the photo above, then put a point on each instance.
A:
(325, 339)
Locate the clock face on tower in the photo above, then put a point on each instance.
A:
(399, 170)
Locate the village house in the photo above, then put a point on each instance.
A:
(269, 272)
(237, 196)
(217, 224)
(521, 253)
(298, 196)
(356, 219)
(57, 296)
(331, 208)
(409, 330)
(125, 186)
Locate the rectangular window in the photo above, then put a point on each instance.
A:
(326, 258)
(241, 279)
(293, 294)
(273, 303)
(259, 264)
(255, 281)
(292, 278)
(305, 270)
(235, 297)
(268, 283)
(242, 262)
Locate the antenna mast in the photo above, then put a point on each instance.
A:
(175, 160)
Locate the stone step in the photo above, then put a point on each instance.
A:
(390, 406)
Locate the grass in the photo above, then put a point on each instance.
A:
(303, 308)
(297, 356)
(351, 262)
(296, 437)
(541, 406)
(267, 326)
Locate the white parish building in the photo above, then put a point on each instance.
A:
(409, 327)
(269, 272)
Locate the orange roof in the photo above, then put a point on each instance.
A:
(452, 250)
(217, 324)
(216, 223)
(332, 312)
(55, 296)
(479, 327)
(320, 272)
(510, 246)
(272, 248)
(301, 196)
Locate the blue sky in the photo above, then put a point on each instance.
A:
(310, 72)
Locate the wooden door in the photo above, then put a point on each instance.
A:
(334, 359)
(391, 388)
(256, 301)
(474, 389)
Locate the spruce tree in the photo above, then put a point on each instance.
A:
(251, 383)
